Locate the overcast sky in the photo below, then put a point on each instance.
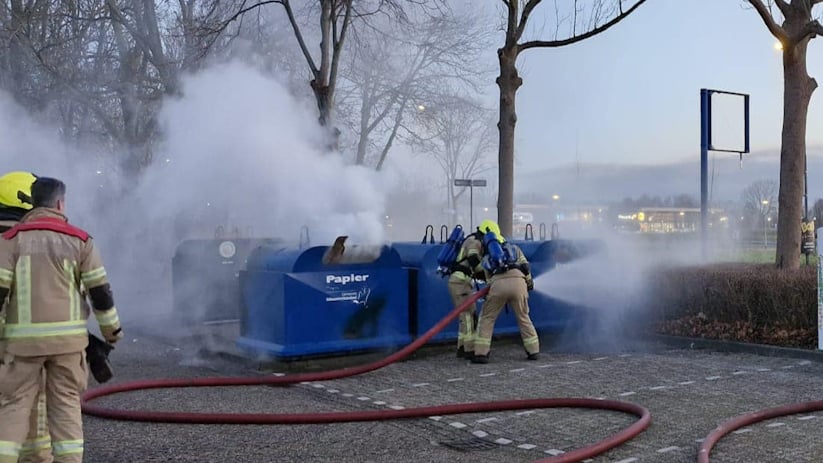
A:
(631, 95)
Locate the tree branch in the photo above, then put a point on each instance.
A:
(298, 35)
(811, 29)
(337, 42)
(524, 18)
(767, 18)
(581, 37)
(783, 6)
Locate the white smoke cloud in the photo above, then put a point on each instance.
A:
(240, 150)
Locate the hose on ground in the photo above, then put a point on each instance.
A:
(573, 456)
(751, 418)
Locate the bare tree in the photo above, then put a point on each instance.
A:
(602, 15)
(399, 67)
(760, 200)
(797, 28)
(458, 134)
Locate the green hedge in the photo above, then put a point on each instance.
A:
(739, 302)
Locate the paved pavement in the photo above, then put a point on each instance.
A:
(687, 391)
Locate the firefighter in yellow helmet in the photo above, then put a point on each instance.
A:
(44, 263)
(510, 280)
(15, 198)
(15, 202)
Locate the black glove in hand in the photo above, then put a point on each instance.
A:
(530, 284)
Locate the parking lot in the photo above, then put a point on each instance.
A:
(688, 391)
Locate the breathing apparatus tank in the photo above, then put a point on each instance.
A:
(498, 257)
(448, 255)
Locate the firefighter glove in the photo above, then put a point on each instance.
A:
(114, 336)
(529, 284)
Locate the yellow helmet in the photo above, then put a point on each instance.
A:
(15, 189)
(491, 226)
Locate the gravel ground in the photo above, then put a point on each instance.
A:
(688, 392)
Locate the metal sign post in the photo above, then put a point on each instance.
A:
(706, 145)
(471, 183)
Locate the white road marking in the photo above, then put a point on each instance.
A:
(554, 452)
(503, 441)
(657, 388)
(363, 398)
(348, 395)
(764, 369)
(332, 391)
(686, 383)
(486, 420)
(599, 359)
(526, 446)
(742, 431)
(668, 449)
(318, 386)
(713, 378)
(457, 424)
(775, 425)
(384, 390)
(804, 362)
(626, 394)
(278, 374)
(420, 384)
(574, 362)
(397, 407)
(739, 372)
(436, 418)
(547, 365)
(627, 460)
(515, 370)
(379, 402)
(804, 418)
(484, 375)
(454, 379)
(480, 433)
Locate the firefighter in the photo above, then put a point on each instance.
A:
(15, 202)
(510, 285)
(44, 262)
(463, 271)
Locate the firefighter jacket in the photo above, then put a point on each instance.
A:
(468, 260)
(44, 266)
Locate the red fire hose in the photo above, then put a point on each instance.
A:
(750, 418)
(372, 415)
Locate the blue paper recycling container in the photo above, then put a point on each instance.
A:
(296, 305)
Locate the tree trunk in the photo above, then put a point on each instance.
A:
(797, 92)
(509, 82)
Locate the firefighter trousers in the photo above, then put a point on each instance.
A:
(502, 291)
(460, 290)
(66, 376)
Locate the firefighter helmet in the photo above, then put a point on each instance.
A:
(491, 226)
(15, 189)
